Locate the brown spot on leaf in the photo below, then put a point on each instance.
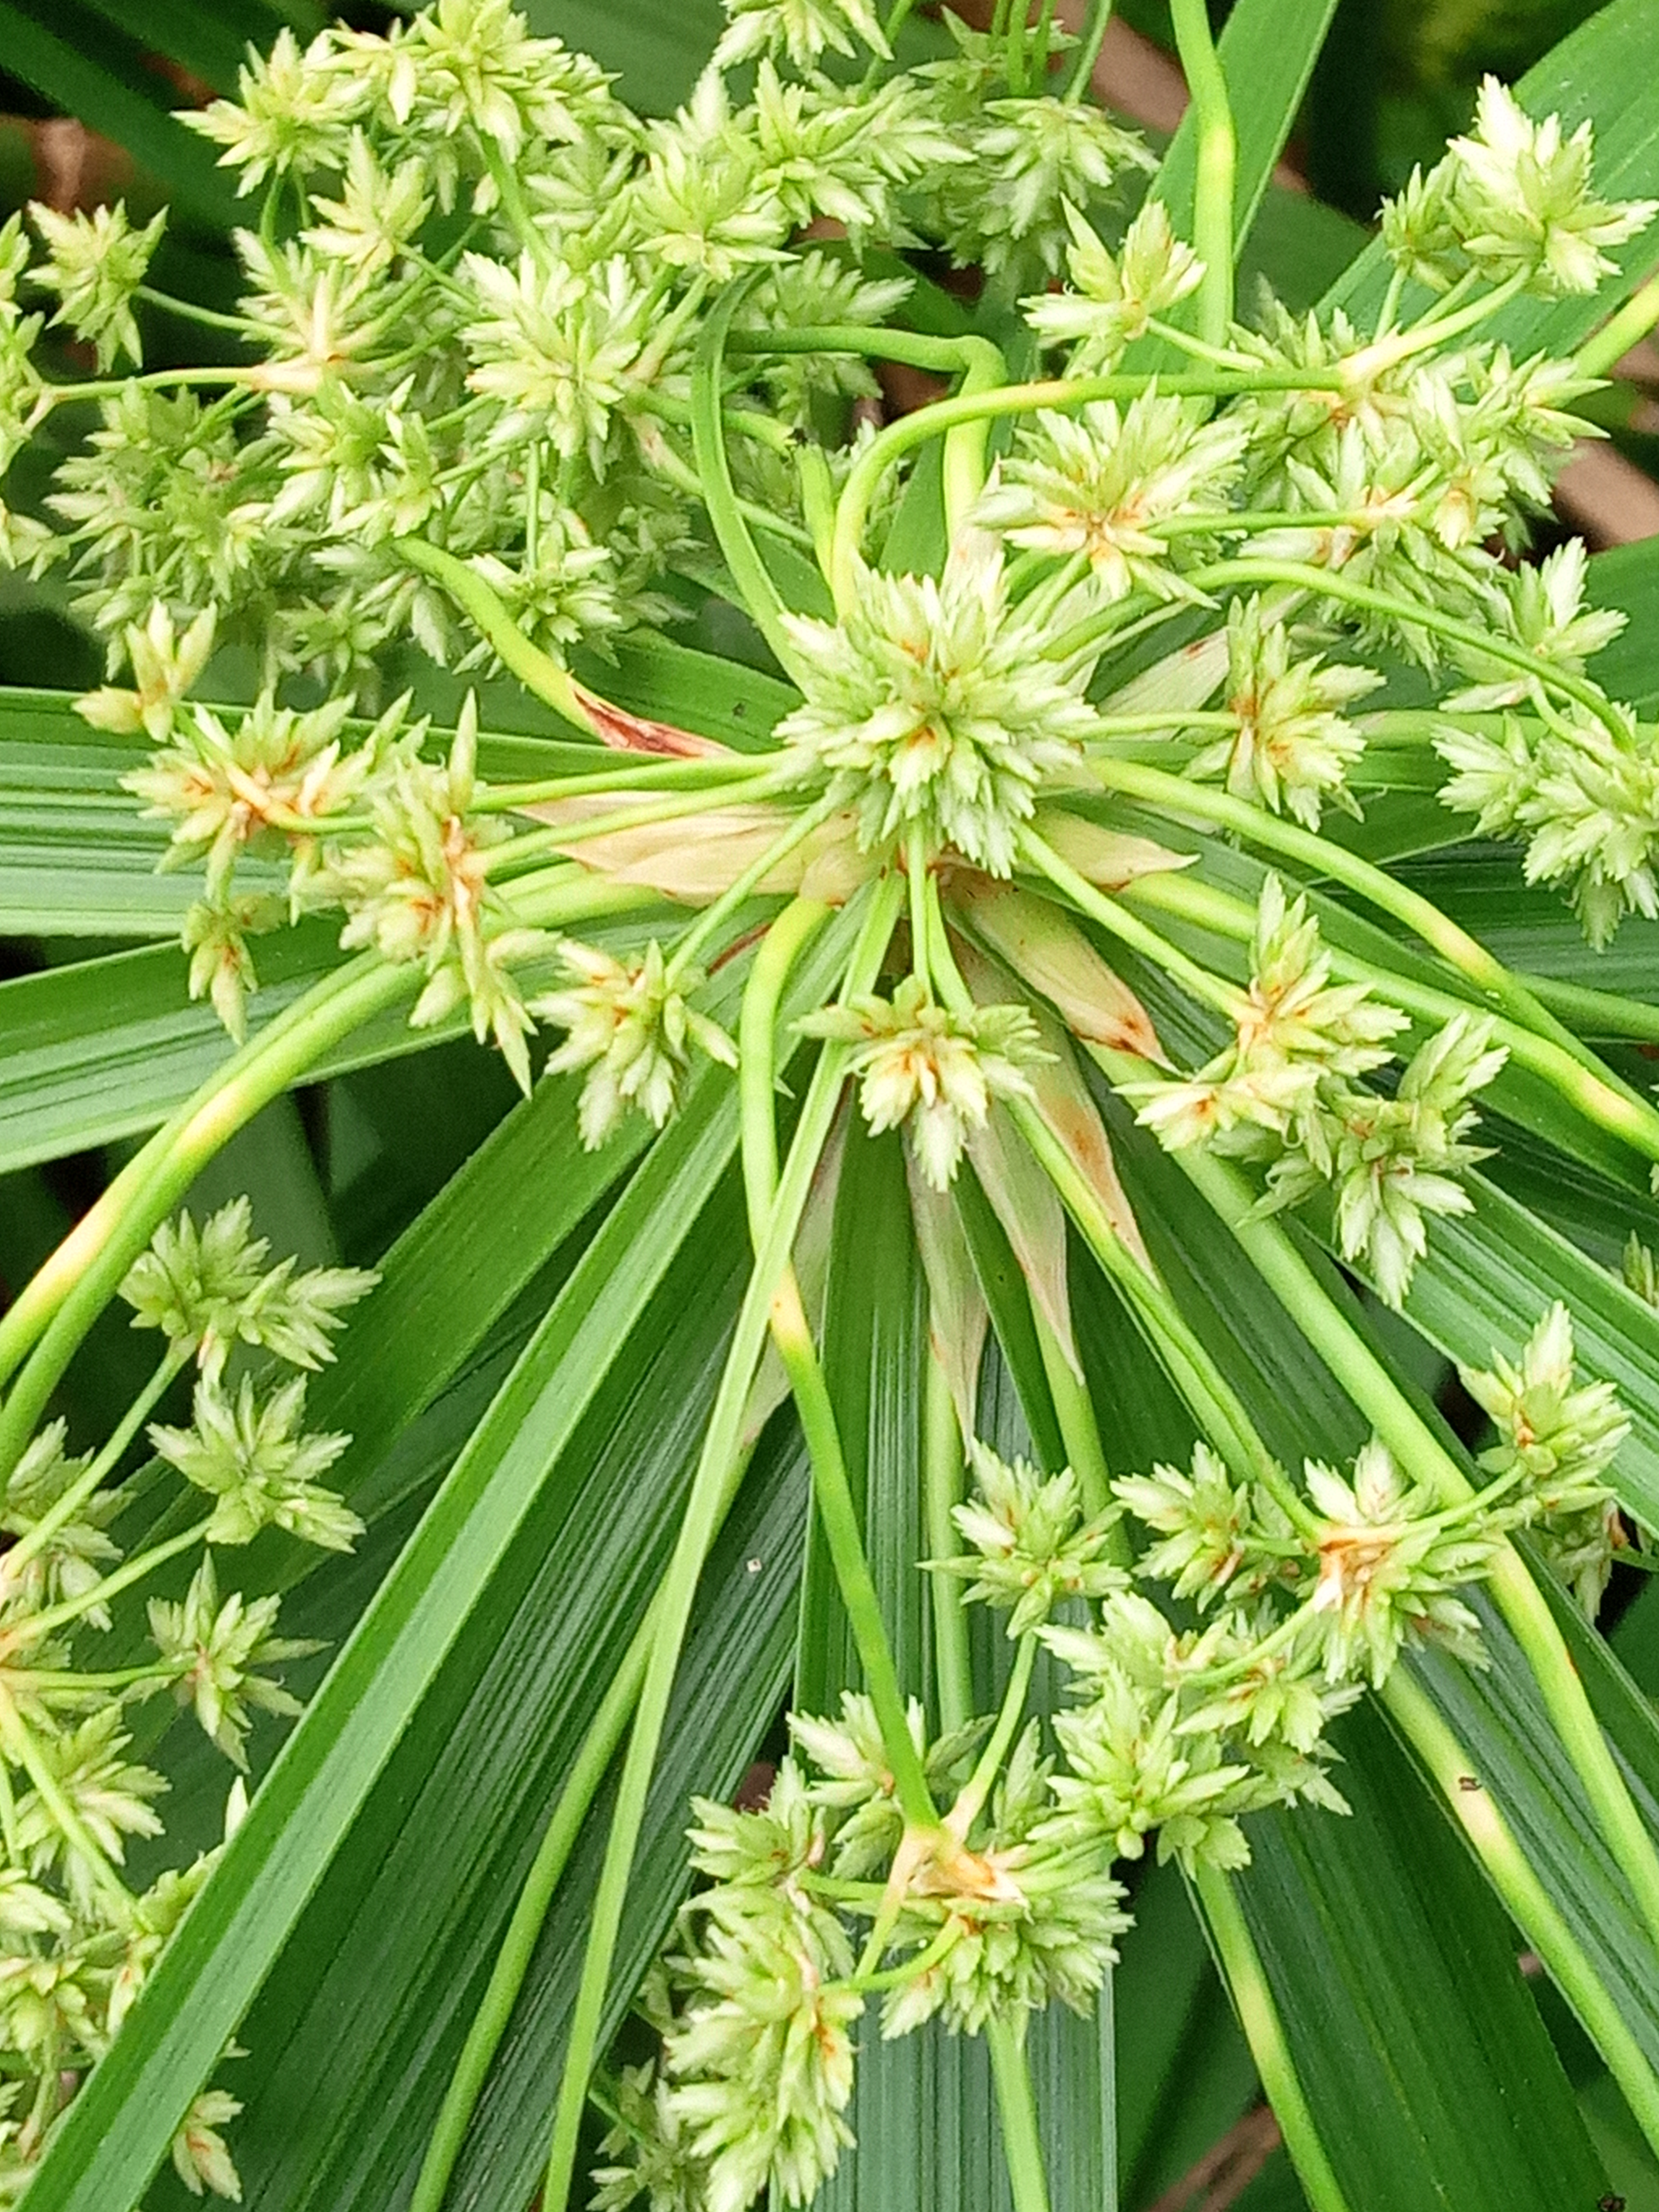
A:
(636, 734)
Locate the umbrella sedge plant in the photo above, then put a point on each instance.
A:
(1092, 659)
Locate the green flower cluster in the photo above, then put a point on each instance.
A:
(1284, 1092)
(1009, 1903)
(931, 1072)
(77, 1943)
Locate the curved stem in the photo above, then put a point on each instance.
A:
(1630, 1119)
(537, 670)
(69, 1503)
(1218, 161)
(915, 349)
(911, 1967)
(67, 1294)
(1082, 69)
(1178, 795)
(965, 446)
(1063, 394)
(1264, 2031)
(749, 572)
(1602, 354)
(722, 1444)
(1332, 584)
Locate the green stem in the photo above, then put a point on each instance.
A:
(1221, 356)
(1022, 2143)
(66, 1295)
(1062, 394)
(1264, 2031)
(533, 508)
(1451, 1770)
(538, 671)
(838, 1514)
(1218, 162)
(514, 207)
(1602, 354)
(9, 1816)
(750, 572)
(722, 1444)
(1178, 795)
(1013, 51)
(783, 942)
(704, 775)
(1598, 1013)
(120, 1678)
(1331, 583)
(64, 1507)
(1079, 1431)
(1190, 1367)
(758, 1022)
(157, 379)
(1368, 1383)
(1209, 990)
(832, 1491)
(966, 446)
(681, 474)
(735, 422)
(189, 312)
(942, 1468)
(1088, 50)
(817, 501)
(576, 1796)
(970, 1802)
(19, 1746)
(910, 1968)
(32, 1626)
(915, 349)
(917, 882)
(742, 886)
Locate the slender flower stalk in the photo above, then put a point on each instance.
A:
(1218, 162)
(719, 1451)
(1264, 2031)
